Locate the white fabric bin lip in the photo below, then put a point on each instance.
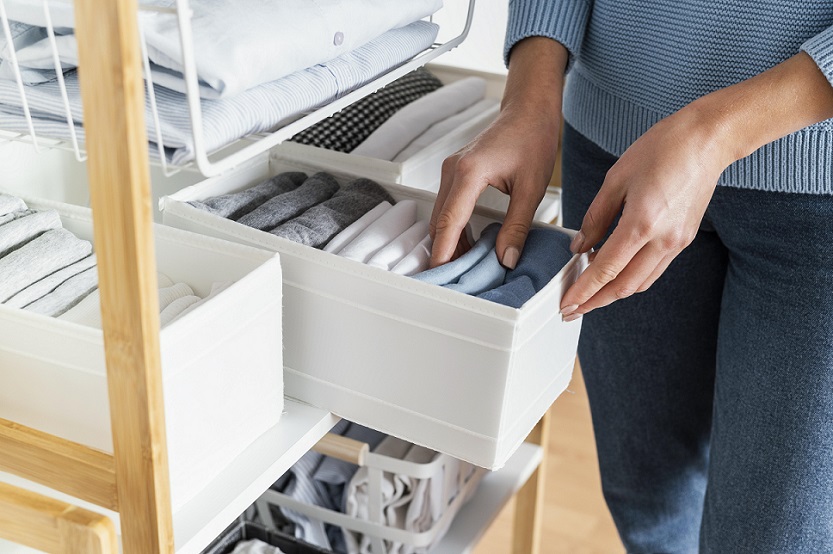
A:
(79, 332)
(509, 314)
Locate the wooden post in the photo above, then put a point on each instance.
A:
(112, 92)
(529, 501)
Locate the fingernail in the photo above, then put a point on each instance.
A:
(578, 242)
(568, 310)
(569, 318)
(510, 257)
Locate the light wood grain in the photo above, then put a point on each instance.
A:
(575, 518)
(529, 502)
(113, 98)
(66, 466)
(342, 448)
(53, 526)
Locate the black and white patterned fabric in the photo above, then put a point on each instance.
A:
(350, 127)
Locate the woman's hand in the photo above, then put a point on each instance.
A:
(663, 183)
(516, 155)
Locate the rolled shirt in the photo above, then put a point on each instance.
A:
(381, 232)
(401, 246)
(288, 205)
(41, 288)
(15, 234)
(417, 259)
(237, 204)
(347, 235)
(67, 294)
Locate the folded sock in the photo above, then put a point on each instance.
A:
(452, 271)
(68, 294)
(545, 253)
(393, 253)
(175, 309)
(53, 250)
(414, 119)
(10, 204)
(163, 280)
(417, 259)
(20, 231)
(346, 236)
(38, 290)
(441, 128)
(318, 225)
(485, 275)
(238, 204)
(284, 207)
(381, 232)
(15, 215)
(216, 288)
(168, 295)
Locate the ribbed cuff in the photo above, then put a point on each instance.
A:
(561, 20)
(820, 48)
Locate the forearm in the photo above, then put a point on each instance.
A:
(536, 78)
(746, 116)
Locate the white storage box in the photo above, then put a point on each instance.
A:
(455, 373)
(423, 169)
(221, 363)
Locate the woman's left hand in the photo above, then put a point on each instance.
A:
(661, 185)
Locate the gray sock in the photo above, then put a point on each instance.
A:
(10, 204)
(38, 258)
(38, 290)
(316, 226)
(20, 231)
(238, 204)
(68, 294)
(284, 207)
(15, 215)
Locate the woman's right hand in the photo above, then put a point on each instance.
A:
(516, 154)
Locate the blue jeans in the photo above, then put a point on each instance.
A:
(712, 392)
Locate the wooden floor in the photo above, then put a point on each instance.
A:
(576, 520)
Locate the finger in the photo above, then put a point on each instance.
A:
(657, 273)
(523, 202)
(629, 280)
(612, 258)
(455, 213)
(600, 215)
(446, 180)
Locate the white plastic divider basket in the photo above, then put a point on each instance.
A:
(442, 467)
(208, 163)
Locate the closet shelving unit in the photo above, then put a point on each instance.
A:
(62, 496)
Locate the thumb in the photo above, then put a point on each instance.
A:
(600, 215)
(510, 240)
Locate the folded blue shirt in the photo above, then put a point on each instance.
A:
(451, 272)
(546, 252)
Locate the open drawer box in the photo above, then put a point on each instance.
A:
(422, 170)
(221, 363)
(451, 372)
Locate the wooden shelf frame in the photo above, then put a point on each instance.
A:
(134, 480)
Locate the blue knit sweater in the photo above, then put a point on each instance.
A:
(633, 62)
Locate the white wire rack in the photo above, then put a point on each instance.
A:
(207, 163)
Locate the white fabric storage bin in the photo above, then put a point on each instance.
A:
(423, 169)
(221, 363)
(458, 374)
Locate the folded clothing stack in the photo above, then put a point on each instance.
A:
(401, 119)
(362, 222)
(314, 53)
(46, 269)
(414, 505)
(256, 546)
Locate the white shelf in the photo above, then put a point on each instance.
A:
(206, 516)
(495, 491)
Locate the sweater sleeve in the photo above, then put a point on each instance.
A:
(561, 20)
(820, 48)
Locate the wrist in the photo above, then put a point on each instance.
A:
(535, 81)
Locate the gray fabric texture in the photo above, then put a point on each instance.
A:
(10, 204)
(68, 294)
(15, 215)
(282, 208)
(20, 231)
(38, 290)
(50, 252)
(319, 224)
(238, 204)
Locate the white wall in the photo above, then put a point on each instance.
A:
(483, 49)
